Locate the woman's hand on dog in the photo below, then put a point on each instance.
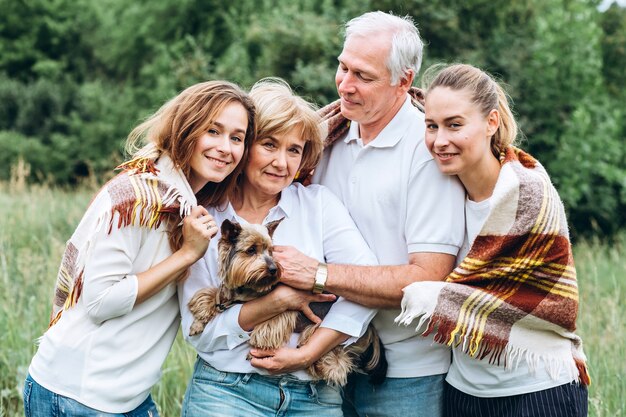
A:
(281, 299)
(280, 361)
(198, 229)
(299, 300)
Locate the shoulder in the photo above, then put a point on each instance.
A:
(526, 168)
(413, 129)
(142, 200)
(312, 200)
(311, 192)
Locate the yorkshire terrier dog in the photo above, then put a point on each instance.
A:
(248, 271)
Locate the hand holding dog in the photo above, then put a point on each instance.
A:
(297, 300)
(282, 360)
(298, 270)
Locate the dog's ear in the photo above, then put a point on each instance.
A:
(271, 226)
(230, 230)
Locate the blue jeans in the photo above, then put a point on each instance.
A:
(396, 397)
(213, 393)
(40, 402)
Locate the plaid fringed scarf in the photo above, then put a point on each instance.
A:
(141, 195)
(515, 294)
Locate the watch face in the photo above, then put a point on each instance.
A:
(320, 278)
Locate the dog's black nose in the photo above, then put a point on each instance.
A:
(272, 269)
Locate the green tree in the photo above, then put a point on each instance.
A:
(75, 76)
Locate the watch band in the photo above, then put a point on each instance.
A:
(320, 278)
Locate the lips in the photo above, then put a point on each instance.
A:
(219, 162)
(348, 102)
(277, 176)
(445, 156)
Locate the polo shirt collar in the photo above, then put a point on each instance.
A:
(392, 133)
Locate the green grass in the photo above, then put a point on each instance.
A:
(36, 222)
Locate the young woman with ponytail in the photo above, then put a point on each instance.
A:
(509, 308)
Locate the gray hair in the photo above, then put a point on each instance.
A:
(406, 45)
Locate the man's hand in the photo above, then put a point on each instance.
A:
(283, 360)
(298, 270)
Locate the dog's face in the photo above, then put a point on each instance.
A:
(245, 257)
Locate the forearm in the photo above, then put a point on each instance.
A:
(321, 342)
(258, 310)
(160, 275)
(381, 286)
(372, 286)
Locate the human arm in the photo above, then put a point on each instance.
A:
(280, 299)
(432, 230)
(198, 229)
(371, 286)
(112, 288)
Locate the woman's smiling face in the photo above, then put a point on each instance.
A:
(457, 134)
(220, 149)
(274, 161)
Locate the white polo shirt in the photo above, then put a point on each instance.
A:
(402, 204)
(317, 224)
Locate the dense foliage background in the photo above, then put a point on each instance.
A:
(77, 75)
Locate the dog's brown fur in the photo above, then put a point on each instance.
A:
(248, 271)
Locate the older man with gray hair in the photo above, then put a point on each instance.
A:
(410, 214)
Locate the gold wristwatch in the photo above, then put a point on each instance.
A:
(320, 278)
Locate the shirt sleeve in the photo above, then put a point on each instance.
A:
(223, 331)
(435, 218)
(344, 244)
(109, 287)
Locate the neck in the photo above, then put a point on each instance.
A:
(369, 131)
(253, 205)
(480, 180)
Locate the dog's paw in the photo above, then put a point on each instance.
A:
(197, 327)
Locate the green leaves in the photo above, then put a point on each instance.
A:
(77, 75)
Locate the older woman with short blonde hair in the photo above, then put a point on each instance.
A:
(224, 382)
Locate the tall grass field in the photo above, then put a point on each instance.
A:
(36, 221)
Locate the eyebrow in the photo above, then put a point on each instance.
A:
(365, 72)
(447, 119)
(273, 139)
(221, 126)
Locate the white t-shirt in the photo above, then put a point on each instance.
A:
(105, 352)
(480, 378)
(402, 204)
(318, 225)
